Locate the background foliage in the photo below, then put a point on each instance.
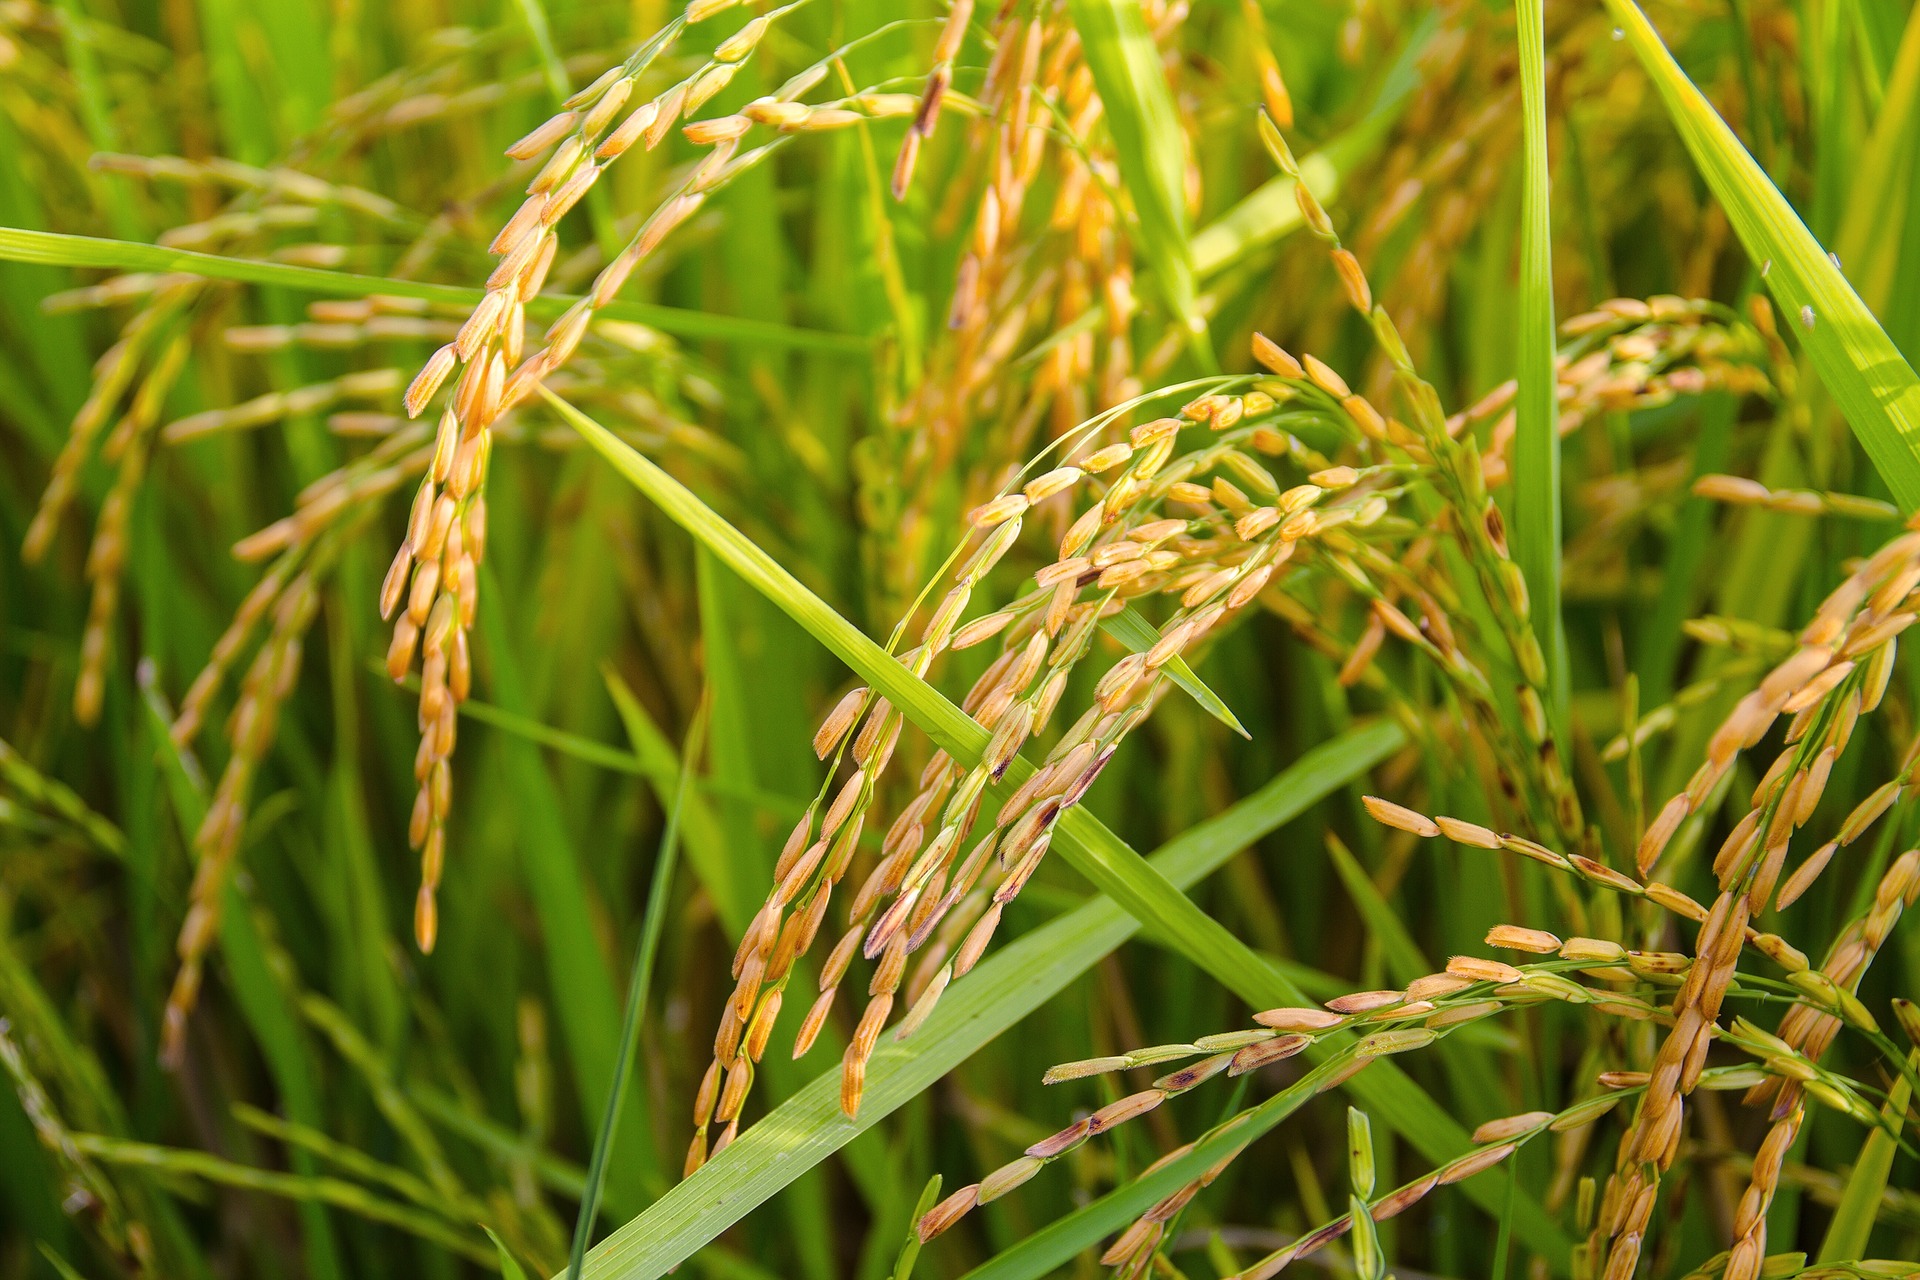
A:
(229, 235)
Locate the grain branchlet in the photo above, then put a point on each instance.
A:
(433, 581)
(1825, 685)
(1469, 991)
(930, 898)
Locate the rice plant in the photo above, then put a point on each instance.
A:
(1077, 637)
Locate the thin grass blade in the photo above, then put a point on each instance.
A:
(643, 957)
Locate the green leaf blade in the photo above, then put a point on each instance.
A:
(1855, 359)
(1536, 445)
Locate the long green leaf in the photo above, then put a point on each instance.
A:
(20, 245)
(1397, 947)
(1008, 985)
(1099, 855)
(1148, 143)
(1856, 361)
(305, 1189)
(1536, 444)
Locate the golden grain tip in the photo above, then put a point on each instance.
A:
(1354, 280)
(1513, 937)
(1276, 358)
(1592, 950)
(1383, 1044)
(1087, 1067)
(428, 380)
(1008, 1176)
(1506, 1127)
(1303, 1019)
(1366, 1001)
(1045, 486)
(1127, 1108)
(548, 133)
(1435, 985)
(630, 131)
(1481, 969)
(1468, 833)
(1399, 816)
(1334, 477)
(703, 133)
(997, 512)
(1323, 376)
(1254, 1056)
(1106, 459)
(1468, 1165)
(838, 721)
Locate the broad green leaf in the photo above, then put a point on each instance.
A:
(1536, 444)
(18, 245)
(1135, 632)
(1148, 143)
(1139, 887)
(1856, 361)
(1008, 985)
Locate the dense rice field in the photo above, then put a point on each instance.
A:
(1174, 638)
